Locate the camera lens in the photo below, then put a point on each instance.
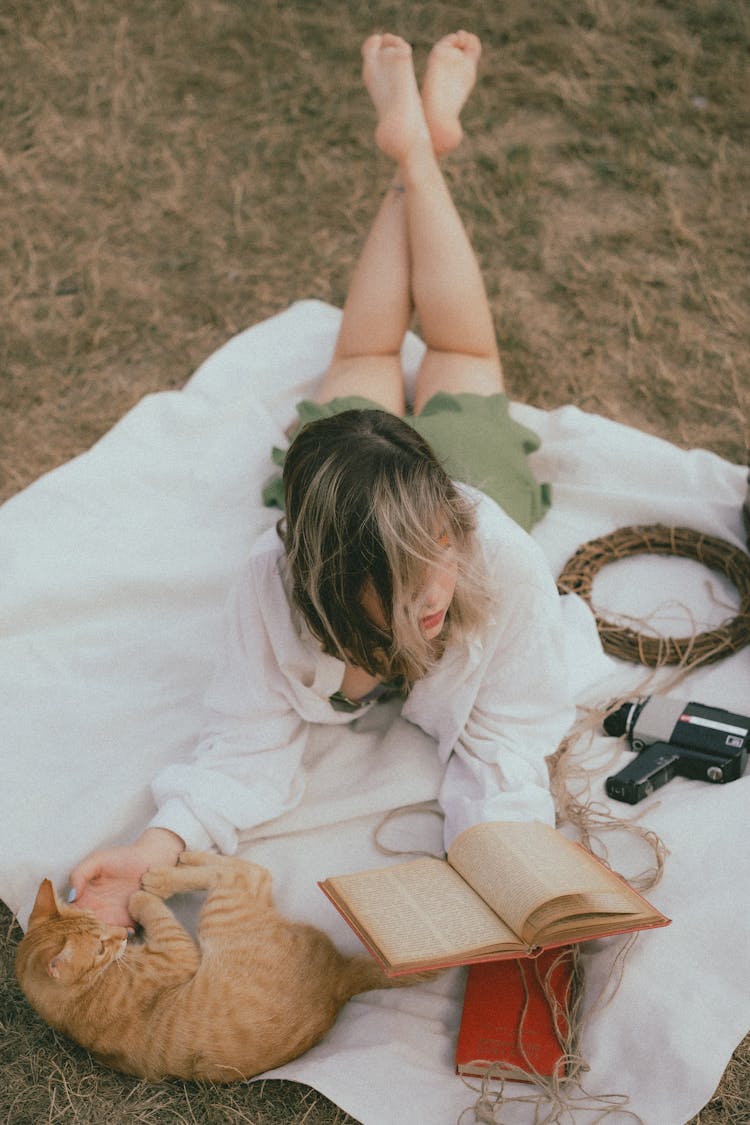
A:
(616, 724)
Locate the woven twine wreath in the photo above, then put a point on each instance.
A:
(578, 574)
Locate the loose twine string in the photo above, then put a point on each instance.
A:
(562, 1098)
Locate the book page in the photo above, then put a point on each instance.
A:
(421, 911)
(578, 926)
(517, 867)
(582, 907)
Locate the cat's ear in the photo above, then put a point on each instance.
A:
(57, 965)
(46, 905)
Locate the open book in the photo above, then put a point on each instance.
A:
(507, 889)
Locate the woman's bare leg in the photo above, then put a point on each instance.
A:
(377, 311)
(417, 250)
(378, 306)
(447, 285)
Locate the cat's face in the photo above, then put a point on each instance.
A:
(68, 945)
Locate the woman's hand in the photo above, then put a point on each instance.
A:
(104, 881)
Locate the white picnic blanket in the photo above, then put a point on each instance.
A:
(114, 572)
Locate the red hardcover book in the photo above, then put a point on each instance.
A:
(516, 1016)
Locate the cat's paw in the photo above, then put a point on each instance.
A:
(253, 878)
(199, 859)
(159, 881)
(139, 905)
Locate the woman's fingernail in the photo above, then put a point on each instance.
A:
(73, 895)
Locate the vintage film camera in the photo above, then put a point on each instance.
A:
(673, 737)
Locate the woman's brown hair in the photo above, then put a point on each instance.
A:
(367, 503)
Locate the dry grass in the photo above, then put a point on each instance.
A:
(174, 171)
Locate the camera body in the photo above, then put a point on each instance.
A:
(672, 737)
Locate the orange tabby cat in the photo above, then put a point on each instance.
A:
(259, 991)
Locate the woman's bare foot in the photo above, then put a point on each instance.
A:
(388, 73)
(449, 79)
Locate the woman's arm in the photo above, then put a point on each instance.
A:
(245, 767)
(523, 707)
(243, 771)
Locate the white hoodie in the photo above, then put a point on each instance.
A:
(496, 703)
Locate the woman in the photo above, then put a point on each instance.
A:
(385, 574)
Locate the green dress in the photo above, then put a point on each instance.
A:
(474, 438)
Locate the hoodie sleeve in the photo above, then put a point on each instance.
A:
(523, 706)
(245, 769)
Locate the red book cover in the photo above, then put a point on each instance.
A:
(516, 1014)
